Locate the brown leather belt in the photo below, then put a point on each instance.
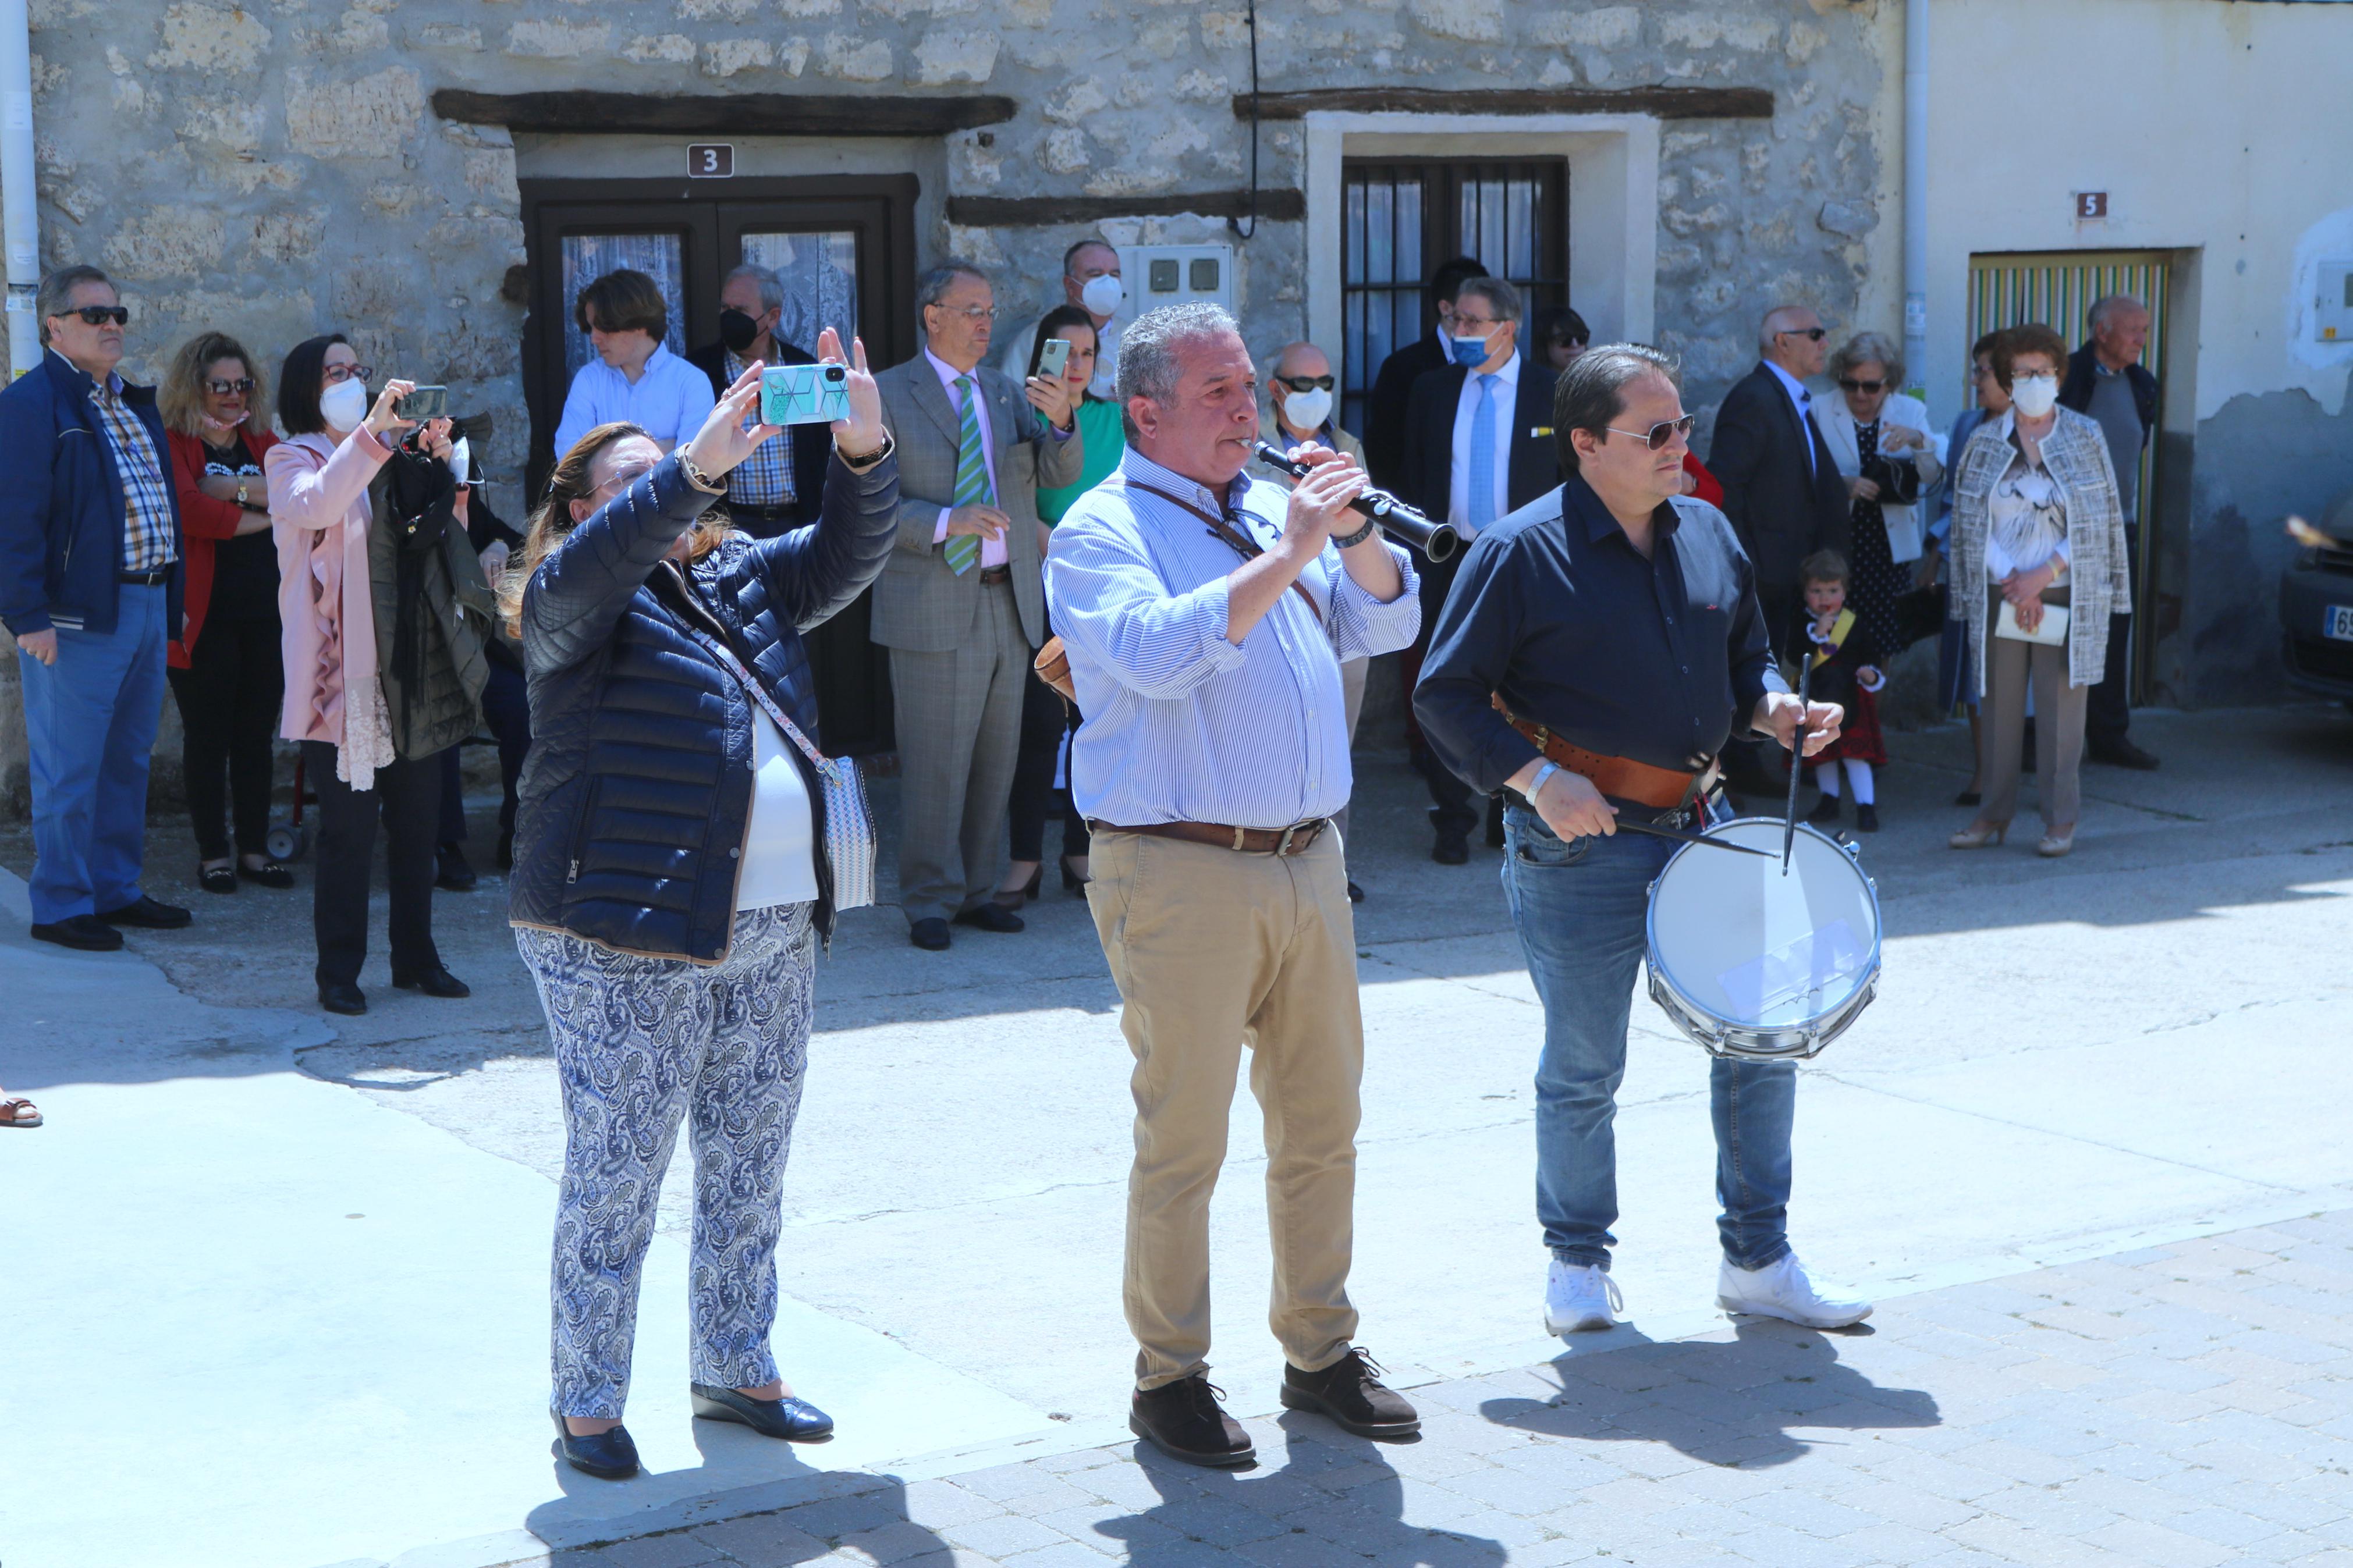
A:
(1624, 777)
(992, 575)
(1295, 839)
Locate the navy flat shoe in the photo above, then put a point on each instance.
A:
(795, 1420)
(609, 1456)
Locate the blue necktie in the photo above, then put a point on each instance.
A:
(1480, 510)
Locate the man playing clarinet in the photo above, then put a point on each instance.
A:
(1595, 653)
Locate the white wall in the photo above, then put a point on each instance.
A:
(2224, 126)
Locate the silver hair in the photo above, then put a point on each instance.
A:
(1865, 347)
(1500, 297)
(772, 288)
(55, 296)
(1149, 350)
(1767, 330)
(1591, 392)
(2108, 305)
(933, 285)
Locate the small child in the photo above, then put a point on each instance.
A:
(1833, 641)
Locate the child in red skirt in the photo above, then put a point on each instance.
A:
(1845, 673)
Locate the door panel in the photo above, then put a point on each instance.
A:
(588, 257)
(820, 272)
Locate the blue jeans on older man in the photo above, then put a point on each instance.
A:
(1579, 905)
(89, 726)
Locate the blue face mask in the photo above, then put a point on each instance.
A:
(1472, 351)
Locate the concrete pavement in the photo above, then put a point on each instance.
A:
(2127, 1049)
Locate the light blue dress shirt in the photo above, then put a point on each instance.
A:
(670, 400)
(1181, 725)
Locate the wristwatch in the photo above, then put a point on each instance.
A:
(243, 485)
(865, 459)
(1359, 537)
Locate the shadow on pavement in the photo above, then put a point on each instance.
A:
(1725, 1403)
(816, 1513)
(1339, 1490)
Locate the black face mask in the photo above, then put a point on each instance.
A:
(737, 331)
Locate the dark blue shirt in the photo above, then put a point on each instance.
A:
(1556, 610)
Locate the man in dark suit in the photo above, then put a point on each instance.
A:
(1477, 444)
(779, 487)
(1393, 386)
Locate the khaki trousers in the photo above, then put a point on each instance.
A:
(2059, 714)
(1212, 950)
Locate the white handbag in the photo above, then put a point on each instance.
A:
(2051, 631)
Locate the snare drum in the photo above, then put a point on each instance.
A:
(1756, 964)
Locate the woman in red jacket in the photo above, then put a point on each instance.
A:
(225, 671)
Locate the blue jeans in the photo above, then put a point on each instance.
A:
(1579, 905)
(89, 726)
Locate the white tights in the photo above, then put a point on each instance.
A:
(1826, 779)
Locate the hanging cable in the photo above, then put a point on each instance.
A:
(1235, 224)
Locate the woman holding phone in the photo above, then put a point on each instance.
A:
(383, 609)
(673, 878)
(1046, 719)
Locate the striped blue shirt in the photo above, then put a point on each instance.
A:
(1181, 725)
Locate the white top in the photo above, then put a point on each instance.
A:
(2026, 521)
(780, 839)
(670, 400)
(1506, 397)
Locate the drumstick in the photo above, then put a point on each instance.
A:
(1797, 756)
(1681, 837)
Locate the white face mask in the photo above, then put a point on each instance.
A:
(345, 405)
(2034, 396)
(1306, 410)
(1103, 295)
(461, 459)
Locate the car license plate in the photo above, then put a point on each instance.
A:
(2336, 621)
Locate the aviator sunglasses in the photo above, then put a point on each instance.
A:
(1659, 434)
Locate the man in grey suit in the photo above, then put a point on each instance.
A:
(960, 606)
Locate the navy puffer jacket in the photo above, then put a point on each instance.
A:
(637, 788)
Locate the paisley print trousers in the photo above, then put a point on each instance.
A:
(641, 1044)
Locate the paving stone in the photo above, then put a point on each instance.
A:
(678, 1550)
(762, 1541)
(943, 1503)
(894, 1542)
(2159, 1547)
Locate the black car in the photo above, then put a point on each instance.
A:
(2317, 608)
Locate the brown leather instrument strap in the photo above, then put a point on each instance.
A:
(1664, 788)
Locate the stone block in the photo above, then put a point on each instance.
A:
(666, 49)
(809, 7)
(846, 57)
(367, 118)
(717, 10)
(167, 242)
(559, 40)
(285, 236)
(1603, 27)
(1062, 150)
(449, 36)
(213, 39)
(954, 53)
(1471, 21)
(723, 58)
(1709, 30)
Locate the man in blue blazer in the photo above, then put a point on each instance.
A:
(90, 583)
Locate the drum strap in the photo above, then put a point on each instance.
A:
(1667, 789)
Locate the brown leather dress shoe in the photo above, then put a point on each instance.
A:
(1184, 1420)
(1350, 1394)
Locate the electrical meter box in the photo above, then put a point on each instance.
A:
(2332, 315)
(1159, 275)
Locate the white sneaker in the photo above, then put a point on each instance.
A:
(1580, 1296)
(1783, 1290)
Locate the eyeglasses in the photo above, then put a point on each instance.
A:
(1659, 434)
(1850, 384)
(970, 312)
(1462, 321)
(98, 315)
(229, 388)
(336, 375)
(1817, 333)
(1308, 383)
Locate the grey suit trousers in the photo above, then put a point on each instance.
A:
(959, 720)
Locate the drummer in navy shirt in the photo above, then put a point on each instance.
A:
(1597, 648)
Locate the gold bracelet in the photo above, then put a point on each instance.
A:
(696, 477)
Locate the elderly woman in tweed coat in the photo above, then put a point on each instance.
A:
(2037, 520)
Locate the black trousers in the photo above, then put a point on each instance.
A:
(1044, 724)
(228, 700)
(2108, 714)
(407, 797)
(506, 708)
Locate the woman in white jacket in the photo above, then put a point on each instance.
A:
(1879, 438)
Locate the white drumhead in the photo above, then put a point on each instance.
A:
(1741, 940)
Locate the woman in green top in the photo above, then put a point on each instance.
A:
(1045, 718)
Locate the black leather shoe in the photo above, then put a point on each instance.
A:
(2121, 753)
(1184, 1420)
(216, 878)
(1452, 848)
(931, 936)
(794, 1420)
(348, 1000)
(1866, 819)
(1355, 894)
(434, 981)
(83, 933)
(609, 1456)
(148, 914)
(1349, 1392)
(269, 874)
(453, 874)
(1825, 810)
(993, 917)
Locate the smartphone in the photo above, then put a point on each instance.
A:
(803, 393)
(1052, 357)
(425, 403)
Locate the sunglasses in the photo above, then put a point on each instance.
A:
(1817, 333)
(1307, 383)
(336, 375)
(1852, 384)
(229, 388)
(98, 315)
(1659, 434)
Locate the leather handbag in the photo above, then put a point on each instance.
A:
(2051, 631)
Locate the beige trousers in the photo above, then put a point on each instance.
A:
(2059, 711)
(1212, 950)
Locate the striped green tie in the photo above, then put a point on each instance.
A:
(972, 485)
